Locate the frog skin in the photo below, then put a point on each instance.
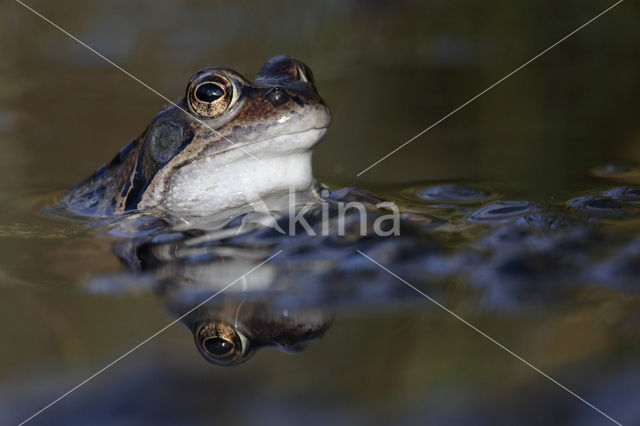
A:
(228, 142)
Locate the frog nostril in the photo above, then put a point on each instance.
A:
(277, 96)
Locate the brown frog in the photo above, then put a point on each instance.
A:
(227, 143)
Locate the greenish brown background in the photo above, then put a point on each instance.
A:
(388, 70)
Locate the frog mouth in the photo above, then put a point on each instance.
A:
(308, 138)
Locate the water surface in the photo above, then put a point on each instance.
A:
(522, 213)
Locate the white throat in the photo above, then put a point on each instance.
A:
(234, 178)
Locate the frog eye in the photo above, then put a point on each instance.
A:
(211, 95)
(222, 344)
(304, 73)
(209, 92)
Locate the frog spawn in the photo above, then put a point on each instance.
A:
(512, 253)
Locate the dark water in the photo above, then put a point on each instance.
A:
(521, 215)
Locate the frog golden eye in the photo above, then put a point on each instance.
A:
(211, 95)
(222, 344)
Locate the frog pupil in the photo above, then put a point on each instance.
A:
(209, 92)
(218, 346)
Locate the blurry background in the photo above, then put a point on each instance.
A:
(387, 70)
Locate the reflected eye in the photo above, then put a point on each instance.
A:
(211, 93)
(218, 346)
(222, 344)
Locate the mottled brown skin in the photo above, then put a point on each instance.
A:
(100, 193)
(140, 176)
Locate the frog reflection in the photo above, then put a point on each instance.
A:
(261, 310)
(273, 305)
(229, 333)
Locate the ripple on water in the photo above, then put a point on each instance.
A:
(503, 211)
(625, 194)
(455, 194)
(597, 205)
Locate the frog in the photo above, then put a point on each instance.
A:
(226, 143)
(230, 331)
